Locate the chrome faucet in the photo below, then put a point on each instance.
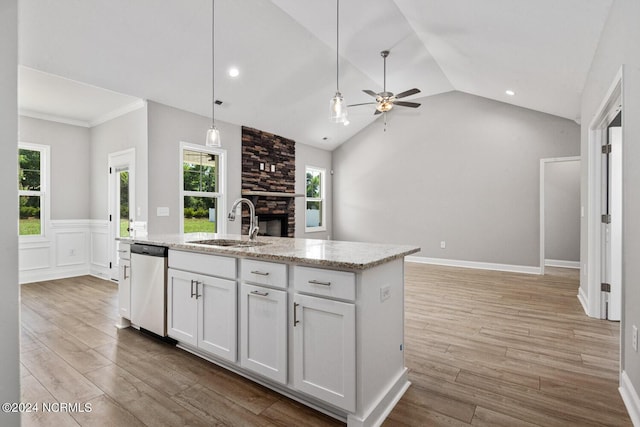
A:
(253, 225)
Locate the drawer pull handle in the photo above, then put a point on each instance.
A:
(262, 294)
(295, 314)
(318, 282)
(193, 293)
(125, 272)
(261, 273)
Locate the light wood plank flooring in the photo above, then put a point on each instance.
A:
(484, 349)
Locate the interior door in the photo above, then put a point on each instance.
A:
(121, 202)
(612, 221)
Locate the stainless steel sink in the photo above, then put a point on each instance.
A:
(229, 243)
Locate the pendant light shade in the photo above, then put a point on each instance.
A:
(213, 134)
(213, 137)
(338, 108)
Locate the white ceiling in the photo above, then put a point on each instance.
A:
(285, 50)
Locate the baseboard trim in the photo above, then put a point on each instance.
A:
(561, 263)
(31, 276)
(474, 264)
(583, 301)
(630, 398)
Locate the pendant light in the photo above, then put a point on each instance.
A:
(213, 134)
(337, 104)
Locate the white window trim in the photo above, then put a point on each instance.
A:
(322, 199)
(221, 195)
(44, 193)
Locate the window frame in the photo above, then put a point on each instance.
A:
(45, 185)
(220, 195)
(322, 199)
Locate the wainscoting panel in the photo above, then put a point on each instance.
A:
(72, 248)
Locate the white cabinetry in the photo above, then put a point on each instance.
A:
(263, 318)
(324, 337)
(124, 284)
(263, 331)
(201, 309)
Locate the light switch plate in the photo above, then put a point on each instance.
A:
(385, 293)
(162, 211)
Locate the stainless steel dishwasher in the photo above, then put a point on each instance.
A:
(149, 287)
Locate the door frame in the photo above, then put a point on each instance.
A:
(597, 136)
(119, 159)
(543, 164)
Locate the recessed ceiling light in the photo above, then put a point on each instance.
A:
(346, 122)
(234, 72)
(509, 92)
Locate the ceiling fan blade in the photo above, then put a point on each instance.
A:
(370, 92)
(363, 103)
(377, 112)
(407, 93)
(407, 104)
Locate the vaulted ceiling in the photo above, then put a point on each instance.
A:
(285, 51)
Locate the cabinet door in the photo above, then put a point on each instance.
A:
(217, 317)
(124, 289)
(263, 331)
(324, 356)
(182, 318)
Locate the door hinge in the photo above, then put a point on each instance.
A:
(606, 149)
(110, 170)
(605, 287)
(110, 265)
(605, 218)
(110, 218)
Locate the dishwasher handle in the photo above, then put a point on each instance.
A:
(149, 250)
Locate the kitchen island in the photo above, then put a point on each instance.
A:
(319, 321)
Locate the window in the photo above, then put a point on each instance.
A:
(202, 200)
(315, 209)
(32, 188)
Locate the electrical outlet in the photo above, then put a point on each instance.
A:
(385, 293)
(443, 244)
(634, 337)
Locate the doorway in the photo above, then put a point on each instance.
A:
(560, 212)
(121, 203)
(604, 257)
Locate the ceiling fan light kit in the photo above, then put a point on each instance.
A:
(385, 101)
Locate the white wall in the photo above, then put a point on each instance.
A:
(618, 45)
(70, 169)
(9, 294)
(460, 169)
(123, 132)
(311, 156)
(167, 127)
(562, 211)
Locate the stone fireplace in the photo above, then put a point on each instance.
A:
(268, 180)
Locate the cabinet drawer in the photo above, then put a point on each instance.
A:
(263, 273)
(212, 265)
(124, 250)
(331, 283)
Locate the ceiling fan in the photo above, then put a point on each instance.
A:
(386, 100)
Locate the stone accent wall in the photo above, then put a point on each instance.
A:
(270, 150)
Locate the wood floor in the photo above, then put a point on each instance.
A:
(484, 349)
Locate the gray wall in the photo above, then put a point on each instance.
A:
(9, 299)
(618, 45)
(460, 169)
(123, 132)
(167, 127)
(562, 210)
(70, 172)
(311, 156)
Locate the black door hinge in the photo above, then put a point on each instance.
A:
(605, 287)
(110, 265)
(606, 149)
(605, 218)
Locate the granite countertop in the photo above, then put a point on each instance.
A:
(327, 253)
